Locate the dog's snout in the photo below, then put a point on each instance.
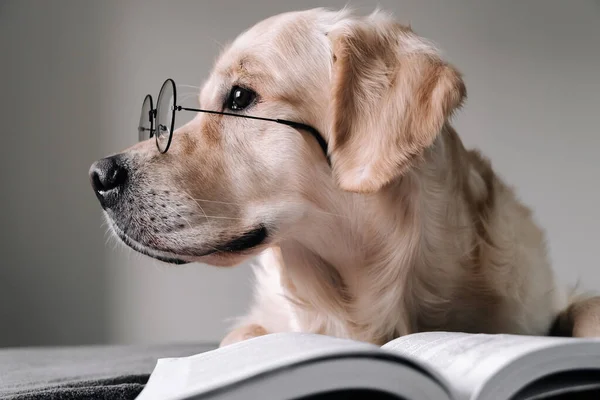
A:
(108, 175)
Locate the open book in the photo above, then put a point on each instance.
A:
(431, 365)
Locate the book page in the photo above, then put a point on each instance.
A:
(218, 369)
(468, 361)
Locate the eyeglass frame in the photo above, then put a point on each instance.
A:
(154, 112)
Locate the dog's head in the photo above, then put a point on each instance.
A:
(229, 187)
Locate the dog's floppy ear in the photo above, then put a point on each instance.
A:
(391, 95)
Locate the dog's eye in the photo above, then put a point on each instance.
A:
(240, 98)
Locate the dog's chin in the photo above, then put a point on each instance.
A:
(225, 254)
(228, 259)
(142, 249)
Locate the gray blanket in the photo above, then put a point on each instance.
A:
(90, 372)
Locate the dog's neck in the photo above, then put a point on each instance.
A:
(358, 245)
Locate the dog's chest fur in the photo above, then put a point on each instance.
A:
(447, 259)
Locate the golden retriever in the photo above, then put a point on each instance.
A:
(403, 230)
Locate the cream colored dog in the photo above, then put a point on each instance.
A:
(406, 231)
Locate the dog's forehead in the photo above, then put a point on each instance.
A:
(283, 54)
(269, 41)
(268, 30)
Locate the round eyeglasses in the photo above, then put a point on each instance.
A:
(159, 122)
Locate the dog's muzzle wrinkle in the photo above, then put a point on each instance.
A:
(108, 177)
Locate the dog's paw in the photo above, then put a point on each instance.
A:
(586, 318)
(580, 319)
(243, 333)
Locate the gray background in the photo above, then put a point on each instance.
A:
(73, 77)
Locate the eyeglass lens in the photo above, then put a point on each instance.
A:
(165, 115)
(146, 125)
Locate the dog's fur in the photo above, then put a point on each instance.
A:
(407, 230)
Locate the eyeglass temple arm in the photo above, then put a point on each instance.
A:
(297, 125)
(315, 133)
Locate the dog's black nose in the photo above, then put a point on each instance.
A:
(108, 176)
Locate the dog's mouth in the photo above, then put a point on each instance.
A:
(247, 241)
(244, 243)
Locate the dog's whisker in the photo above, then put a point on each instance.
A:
(187, 221)
(218, 217)
(198, 204)
(284, 203)
(203, 212)
(221, 46)
(188, 86)
(174, 211)
(108, 236)
(187, 96)
(211, 201)
(210, 216)
(115, 244)
(332, 214)
(231, 203)
(215, 201)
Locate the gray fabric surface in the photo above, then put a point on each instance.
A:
(87, 372)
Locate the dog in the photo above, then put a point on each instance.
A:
(396, 229)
